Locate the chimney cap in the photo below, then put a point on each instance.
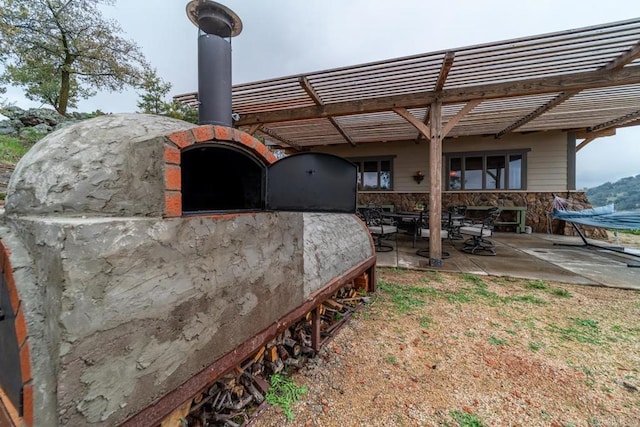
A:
(214, 18)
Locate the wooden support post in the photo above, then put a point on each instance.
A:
(315, 329)
(435, 184)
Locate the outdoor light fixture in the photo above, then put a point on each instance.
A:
(418, 177)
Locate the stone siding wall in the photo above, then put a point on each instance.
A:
(539, 206)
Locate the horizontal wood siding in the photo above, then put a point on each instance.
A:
(546, 160)
(409, 158)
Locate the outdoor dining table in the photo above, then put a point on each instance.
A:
(410, 218)
(413, 218)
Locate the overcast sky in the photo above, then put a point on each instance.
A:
(283, 37)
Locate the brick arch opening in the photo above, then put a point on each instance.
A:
(229, 139)
(220, 177)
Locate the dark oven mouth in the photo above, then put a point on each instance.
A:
(219, 178)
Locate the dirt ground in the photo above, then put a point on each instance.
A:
(436, 349)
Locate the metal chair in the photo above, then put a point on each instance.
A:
(425, 233)
(458, 219)
(378, 228)
(477, 243)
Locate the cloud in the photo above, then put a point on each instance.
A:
(284, 37)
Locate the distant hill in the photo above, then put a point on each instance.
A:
(625, 194)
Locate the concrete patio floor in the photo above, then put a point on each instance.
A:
(529, 256)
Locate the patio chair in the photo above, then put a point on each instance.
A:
(379, 228)
(425, 233)
(477, 243)
(457, 219)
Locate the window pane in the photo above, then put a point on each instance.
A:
(385, 175)
(359, 169)
(515, 172)
(495, 172)
(370, 176)
(473, 173)
(455, 174)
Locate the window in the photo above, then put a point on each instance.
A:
(490, 170)
(374, 173)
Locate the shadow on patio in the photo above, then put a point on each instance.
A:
(529, 256)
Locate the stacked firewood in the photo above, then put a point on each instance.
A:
(238, 396)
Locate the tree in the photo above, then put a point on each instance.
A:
(155, 90)
(62, 51)
(181, 111)
(152, 100)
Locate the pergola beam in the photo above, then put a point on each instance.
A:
(308, 88)
(591, 136)
(447, 63)
(633, 123)
(254, 128)
(415, 122)
(581, 134)
(426, 123)
(274, 135)
(585, 142)
(537, 112)
(435, 184)
(568, 82)
(615, 65)
(624, 59)
(434, 134)
(614, 122)
(463, 112)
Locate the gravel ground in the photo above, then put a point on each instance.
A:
(436, 349)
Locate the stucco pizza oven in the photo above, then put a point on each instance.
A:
(139, 251)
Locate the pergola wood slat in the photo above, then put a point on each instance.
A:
(615, 65)
(562, 80)
(578, 81)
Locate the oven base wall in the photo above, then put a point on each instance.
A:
(143, 304)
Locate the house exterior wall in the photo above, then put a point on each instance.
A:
(547, 166)
(546, 160)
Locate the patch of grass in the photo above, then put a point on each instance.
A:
(472, 278)
(536, 284)
(535, 346)
(587, 323)
(465, 419)
(531, 299)
(493, 340)
(283, 393)
(391, 359)
(562, 293)
(405, 298)
(425, 322)
(12, 148)
(581, 330)
(433, 276)
(460, 296)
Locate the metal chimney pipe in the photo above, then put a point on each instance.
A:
(217, 24)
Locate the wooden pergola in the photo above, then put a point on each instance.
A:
(585, 81)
